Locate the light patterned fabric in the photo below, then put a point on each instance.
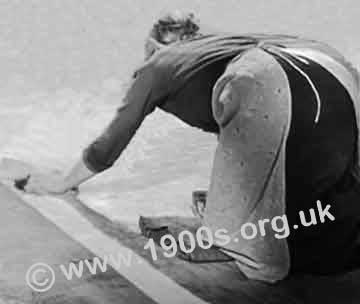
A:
(251, 103)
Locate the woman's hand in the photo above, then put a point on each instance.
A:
(46, 184)
(55, 183)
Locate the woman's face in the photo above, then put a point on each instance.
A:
(171, 35)
(166, 37)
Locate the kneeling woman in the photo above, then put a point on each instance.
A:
(284, 109)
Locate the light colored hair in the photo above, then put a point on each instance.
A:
(185, 23)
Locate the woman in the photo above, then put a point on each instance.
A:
(284, 110)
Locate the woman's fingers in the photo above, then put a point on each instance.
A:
(38, 185)
(33, 186)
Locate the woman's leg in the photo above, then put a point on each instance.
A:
(251, 104)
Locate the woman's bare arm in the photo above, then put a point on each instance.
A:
(56, 183)
(78, 174)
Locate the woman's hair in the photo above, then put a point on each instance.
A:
(184, 23)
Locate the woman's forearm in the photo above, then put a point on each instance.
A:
(78, 174)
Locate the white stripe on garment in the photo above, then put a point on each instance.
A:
(333, 66)
(313, 87)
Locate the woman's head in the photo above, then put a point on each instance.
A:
(171, 27)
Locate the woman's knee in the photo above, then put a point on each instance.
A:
(254, 80)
